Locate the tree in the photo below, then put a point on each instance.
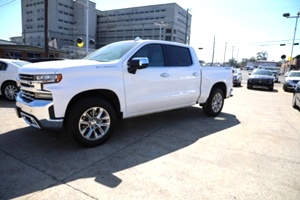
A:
(252, 59)
(232, 62)
(263, 55)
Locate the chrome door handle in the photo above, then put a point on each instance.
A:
(195, 74)
(164, 75)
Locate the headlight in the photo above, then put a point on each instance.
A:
(48, 78)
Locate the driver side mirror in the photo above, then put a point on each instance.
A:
(137, 63)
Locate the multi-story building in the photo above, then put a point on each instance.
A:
(67, 22)
(166, 22)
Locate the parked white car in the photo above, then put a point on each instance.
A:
(8, 75)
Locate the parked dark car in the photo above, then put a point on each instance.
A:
(261, 78)
(296, 97)
(290, 80)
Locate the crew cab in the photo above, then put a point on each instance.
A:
(121, 80)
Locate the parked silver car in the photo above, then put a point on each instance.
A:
(291, 80)
(237, 77)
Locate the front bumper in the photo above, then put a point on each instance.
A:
(290, 86)
(260, 83)
(38, 113)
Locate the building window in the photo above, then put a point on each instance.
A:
(33, 55)
(13, 54)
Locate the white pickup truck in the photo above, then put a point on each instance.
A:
(121, 80)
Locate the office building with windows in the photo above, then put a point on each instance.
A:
(67, 22)
(161, 22)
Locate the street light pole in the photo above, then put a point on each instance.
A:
(287, 15)
(160, 24)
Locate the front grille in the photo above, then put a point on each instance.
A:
(29, 96)
(26, 85)
(26, 77)
(260, 81)
(32, 89)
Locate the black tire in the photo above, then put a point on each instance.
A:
(284, 88)
(271, 88)
(10, 91)
(87, 126)
(249, 87)
(214, 103)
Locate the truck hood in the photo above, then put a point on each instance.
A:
(51, 67)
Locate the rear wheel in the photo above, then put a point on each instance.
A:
(214, 103)
(10, 91)
(91, 121)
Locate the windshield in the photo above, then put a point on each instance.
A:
(263, 72)
(20, 63)
(111, 52)
(294, 74)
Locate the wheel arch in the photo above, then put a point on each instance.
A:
(107, 95)
(5, 82)
(220, 85)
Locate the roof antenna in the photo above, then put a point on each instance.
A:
(137, 39)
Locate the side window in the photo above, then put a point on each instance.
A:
(179, 56)
(3, 66)
(154, 53)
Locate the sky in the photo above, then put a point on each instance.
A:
(238, 28)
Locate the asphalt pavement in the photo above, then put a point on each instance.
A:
(250, 151)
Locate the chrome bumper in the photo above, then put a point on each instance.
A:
(37, 114)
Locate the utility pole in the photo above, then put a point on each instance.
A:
(232, 56)
(186, 26)
(213, 54)
(46, 29)
(225, 53)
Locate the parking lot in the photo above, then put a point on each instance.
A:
(250, 151)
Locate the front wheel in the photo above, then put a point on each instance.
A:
(91, 121)
(214, 103)
(10, 91)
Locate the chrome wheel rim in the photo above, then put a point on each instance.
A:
(217, 102)
(11, 92)
(94, 123)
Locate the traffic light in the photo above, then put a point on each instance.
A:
(283, 57)
(79, 42)
(92, 42)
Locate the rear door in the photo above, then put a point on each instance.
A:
(185, 76)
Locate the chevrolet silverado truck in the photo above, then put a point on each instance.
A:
(120, 80)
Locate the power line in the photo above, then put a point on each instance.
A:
(6, 2)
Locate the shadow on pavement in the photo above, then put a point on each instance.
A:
(33, 160)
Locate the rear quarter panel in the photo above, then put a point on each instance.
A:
(213, 75)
